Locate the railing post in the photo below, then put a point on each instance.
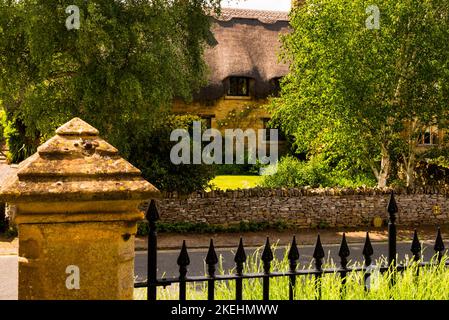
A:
(293, 257)
(416, 250)
(343, 253)
(267, 257)
(211, 261)
(240, 259)
(318, 255)
(183, 262)
(152, 217)
(367, 253)
(439, 246)
(392, 210)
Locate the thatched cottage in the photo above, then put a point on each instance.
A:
(244, 69)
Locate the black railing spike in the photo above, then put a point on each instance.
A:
(344, 252)
(240, 255)
(183, 260)
(392, 207)
(152, 214)
(439, 245)
(318, 253)
(211, 258)
(239, 259)
(293, 254)
(267, 254)
(416, 247)
(367, 250)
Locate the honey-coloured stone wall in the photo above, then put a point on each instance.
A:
(305, 208)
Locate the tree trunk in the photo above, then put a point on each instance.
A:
(384, 171)
(382, 174)
(409, 165)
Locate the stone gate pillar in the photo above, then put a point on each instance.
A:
(77, 207)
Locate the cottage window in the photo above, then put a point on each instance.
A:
(207, 120)
(429, 137)
(276, 83)
(238, 87)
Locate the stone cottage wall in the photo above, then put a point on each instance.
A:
(306, 207)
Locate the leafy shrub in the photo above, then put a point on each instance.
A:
(11, 232)
(316, 172)
(342, 180)
(13, 133)
(294, 173)
(2, 126)
(151, 154)
(237, 169)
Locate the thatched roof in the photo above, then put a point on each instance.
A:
(247, 44)
(268, 17)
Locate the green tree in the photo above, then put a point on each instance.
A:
(365, 94)
(119, 71)
(154, 158)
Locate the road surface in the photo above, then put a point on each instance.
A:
(167, 266)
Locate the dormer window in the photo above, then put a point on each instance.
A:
(238, 87)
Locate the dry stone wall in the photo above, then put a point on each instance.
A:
(306, 207)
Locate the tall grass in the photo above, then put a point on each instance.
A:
(425, 283)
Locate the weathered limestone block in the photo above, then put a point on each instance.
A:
(77, 206)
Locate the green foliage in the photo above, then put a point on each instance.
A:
(316, 172)
(294, 173)
(3, 125)
(360, 94)
(20, 146)
(432, 283)
(437, 156)
(11, 232)
(202, 228)
(240, 169)
(151, 154)
(120, 71)
(237, 118)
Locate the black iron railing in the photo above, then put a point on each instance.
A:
(211, 260)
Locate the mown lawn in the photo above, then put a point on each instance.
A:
(236, 182)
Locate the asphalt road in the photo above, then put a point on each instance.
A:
(167, 266)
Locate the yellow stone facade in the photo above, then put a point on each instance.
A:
(77, 207)
(229, 113)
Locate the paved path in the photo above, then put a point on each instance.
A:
(8, 277)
